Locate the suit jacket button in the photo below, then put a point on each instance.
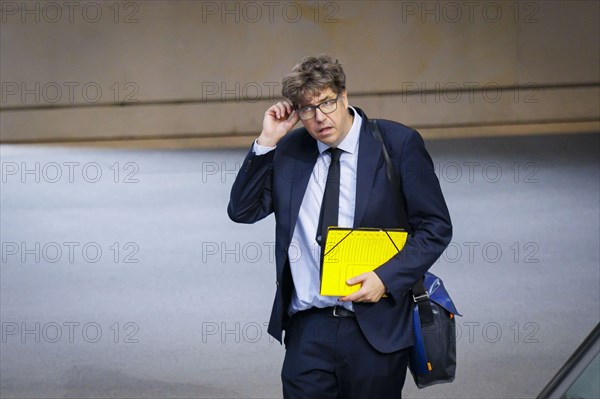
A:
(277, 283)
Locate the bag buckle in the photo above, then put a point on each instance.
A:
(420, 297)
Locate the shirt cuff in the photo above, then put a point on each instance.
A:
(261, 149)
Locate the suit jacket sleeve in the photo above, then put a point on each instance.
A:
(427, 215)
(251, 197)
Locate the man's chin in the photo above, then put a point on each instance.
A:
(327, 137)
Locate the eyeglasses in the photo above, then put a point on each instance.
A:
(326, 107)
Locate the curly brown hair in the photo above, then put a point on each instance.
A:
(312, 76)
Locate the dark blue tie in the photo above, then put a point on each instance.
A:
(331, 197)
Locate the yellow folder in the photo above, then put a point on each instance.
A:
(350, 252)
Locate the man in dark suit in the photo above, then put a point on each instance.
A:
(355, 346)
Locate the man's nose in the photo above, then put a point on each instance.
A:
(319, 115)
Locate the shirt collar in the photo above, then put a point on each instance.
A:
(350, 142)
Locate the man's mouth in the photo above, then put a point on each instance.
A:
(325, 129)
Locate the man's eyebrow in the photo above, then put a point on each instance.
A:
(328, 97)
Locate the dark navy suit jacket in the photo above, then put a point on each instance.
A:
(275, 183)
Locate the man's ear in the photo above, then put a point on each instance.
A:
(344, 95)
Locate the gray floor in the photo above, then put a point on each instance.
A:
(139, 285)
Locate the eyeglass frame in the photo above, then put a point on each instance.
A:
(318, 106)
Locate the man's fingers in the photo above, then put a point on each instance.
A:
(278, 111)
(356, 279)
(361, 295)
(352, 297)
(288, 107)
(278, 120)
(282, 110)
(356, 296)
(292, 120)
(371, 290)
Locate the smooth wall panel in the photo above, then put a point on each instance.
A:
(155, 56)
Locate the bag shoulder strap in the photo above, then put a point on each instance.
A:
(392, 176)
(419, 293)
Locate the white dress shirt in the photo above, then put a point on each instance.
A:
(304, 253)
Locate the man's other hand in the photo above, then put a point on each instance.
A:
(372, 288)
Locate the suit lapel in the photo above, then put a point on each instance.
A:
(369, 155)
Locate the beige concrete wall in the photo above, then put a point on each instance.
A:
(91, 70)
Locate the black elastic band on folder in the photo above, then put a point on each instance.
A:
(392, 240)
(338, 243)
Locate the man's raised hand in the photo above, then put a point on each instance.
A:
(279, 119)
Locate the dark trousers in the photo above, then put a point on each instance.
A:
(328, 357)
